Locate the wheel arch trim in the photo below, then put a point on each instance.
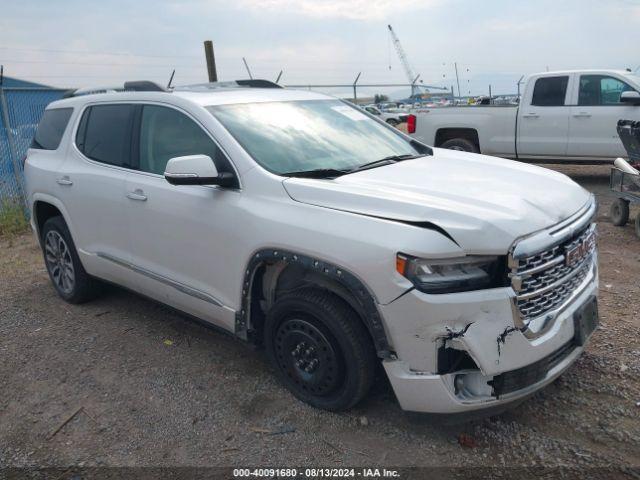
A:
(46, 198)
(333, 273)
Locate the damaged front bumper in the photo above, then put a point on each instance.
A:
(466, 351)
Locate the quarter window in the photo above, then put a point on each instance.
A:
(51, 128)
(550, 91)
(104, 134)
(166, 133)
(601, 90)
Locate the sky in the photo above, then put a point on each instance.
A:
(73, 43)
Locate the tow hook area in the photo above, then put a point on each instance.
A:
(491, 348)
(502, 338)
(472, 383)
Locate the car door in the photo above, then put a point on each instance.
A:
(182, 236)
(543, 118)
(593, 121)
(91, 185)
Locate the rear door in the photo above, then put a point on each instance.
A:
(595, 114)
(543, 119)
(91, 184)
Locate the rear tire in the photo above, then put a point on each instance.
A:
(320, 349)
(461, 144)
(66, 272)
(637, 225)
(392, 122)
(619, 212)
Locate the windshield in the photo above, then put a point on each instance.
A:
(297, 136)
(634, 77)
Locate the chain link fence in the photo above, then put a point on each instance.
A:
(20, 112)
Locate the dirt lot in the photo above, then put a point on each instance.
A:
(159, 390)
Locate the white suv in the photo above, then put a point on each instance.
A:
(303, 224)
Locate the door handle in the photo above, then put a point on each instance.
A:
(64, 181)
(531, 115)
(137, 194)
(582, 114)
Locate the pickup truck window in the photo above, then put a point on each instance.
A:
(550, 91)
(601, 90)
(295, 136)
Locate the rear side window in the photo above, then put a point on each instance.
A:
(51, 128)
(550, 91)
(104, 134)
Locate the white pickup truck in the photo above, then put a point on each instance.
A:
(567, 116)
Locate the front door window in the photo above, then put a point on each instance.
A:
(601, 90)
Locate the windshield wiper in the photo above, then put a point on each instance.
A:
(333, 172)
(317, 173)
(386, 161)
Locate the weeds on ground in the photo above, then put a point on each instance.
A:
(13, 220)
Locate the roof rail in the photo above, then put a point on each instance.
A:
(249, 83)
(142, 86)
(258, 83)
(131, 86)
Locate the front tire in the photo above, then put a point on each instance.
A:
(619, 212)
(637, 225)
(67, 274)
(461, 145)
(320, 349)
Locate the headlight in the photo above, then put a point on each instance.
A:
(452, 274)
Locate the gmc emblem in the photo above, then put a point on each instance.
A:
(581, 250)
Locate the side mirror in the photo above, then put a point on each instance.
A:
(196, 170)
(631, 97)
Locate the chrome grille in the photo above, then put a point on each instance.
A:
(544, 281)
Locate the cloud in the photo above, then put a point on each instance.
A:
(352, 9)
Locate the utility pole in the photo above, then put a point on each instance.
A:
(455, 64)
(246, 65)
(211, 61)
(490, 96)
(355, 94)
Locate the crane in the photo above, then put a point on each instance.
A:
(411, 76)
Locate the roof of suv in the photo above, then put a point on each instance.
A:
(218, 96)
(248, 95)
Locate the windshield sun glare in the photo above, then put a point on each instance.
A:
(295, 136)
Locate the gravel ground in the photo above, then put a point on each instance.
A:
(156, 389)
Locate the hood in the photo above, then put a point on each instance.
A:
(483, 203)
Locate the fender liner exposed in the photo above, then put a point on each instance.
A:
(371, 317)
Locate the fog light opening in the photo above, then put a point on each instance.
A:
(458, 384)
(472, 386)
